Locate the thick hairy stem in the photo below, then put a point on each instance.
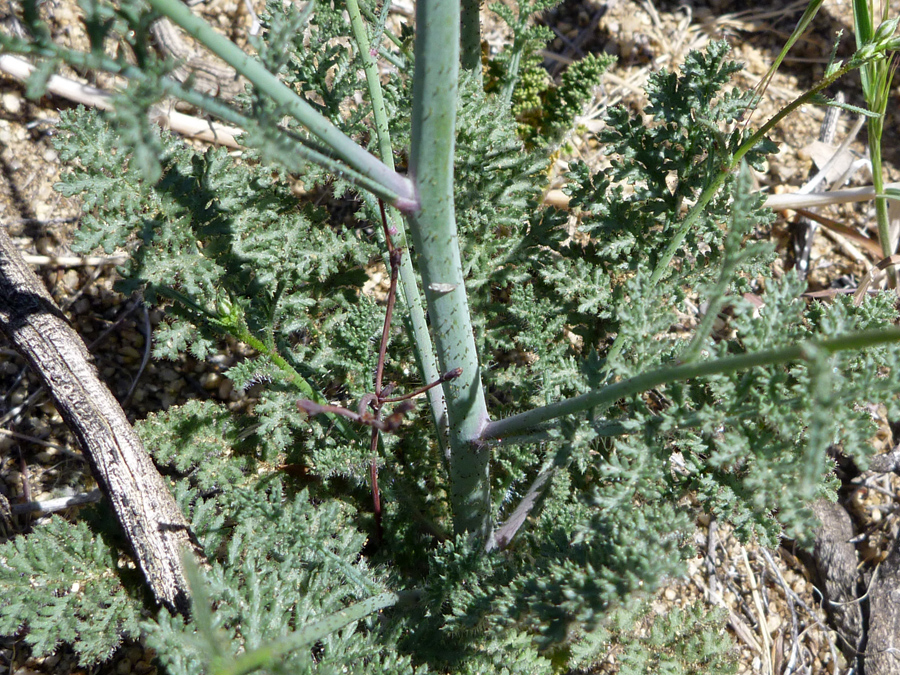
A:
(434, 233)
(470, 37)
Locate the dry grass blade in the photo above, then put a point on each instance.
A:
(761, 616)
(880, 266)
(870, 245)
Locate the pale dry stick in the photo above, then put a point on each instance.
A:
(712, 543)
(712, 595)
(673, 50)
(711, 592)
(836, 157)
(789, 597)
(847, 246)
(866, 281)
(57, 504)
(74, 260)
(826, 631)
(790, 200)
(833, 231)
(186, 125)
(761, 618)
(794, 200)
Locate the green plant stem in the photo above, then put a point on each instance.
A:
(804, 98)
(875, 128)
(293, 376)
(808, 15)
(434, 233)
(876, 80)
(664, 262)
(343, 147)
(239, 331)
(600, 399)
(470, 37)
(408, 277)
(313, 632)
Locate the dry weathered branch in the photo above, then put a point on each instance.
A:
(58, 504)
(155, 527)
(186, 125)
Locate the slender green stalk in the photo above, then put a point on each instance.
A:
(343, 147)
(231, 322)
(470, 37)
(266, 655)
(876, 127)
(811, 10)
(858, 61)
(600, 399)
(408, 277)
(876, 83)
(803, 99)
(434, 233)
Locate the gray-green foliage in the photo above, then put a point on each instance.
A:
(63, 583)
(227, 249)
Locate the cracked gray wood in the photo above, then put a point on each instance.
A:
(207, 74)
(144, 507)
(851, 597)
(882, 655)
(836, 566)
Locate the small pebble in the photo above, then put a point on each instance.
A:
(130, 353)
(12, 103)
(45, 245)
(210, 381)
(144, 668)
(47, 456)
(70, 280)
(225, 389)
(82, 306)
